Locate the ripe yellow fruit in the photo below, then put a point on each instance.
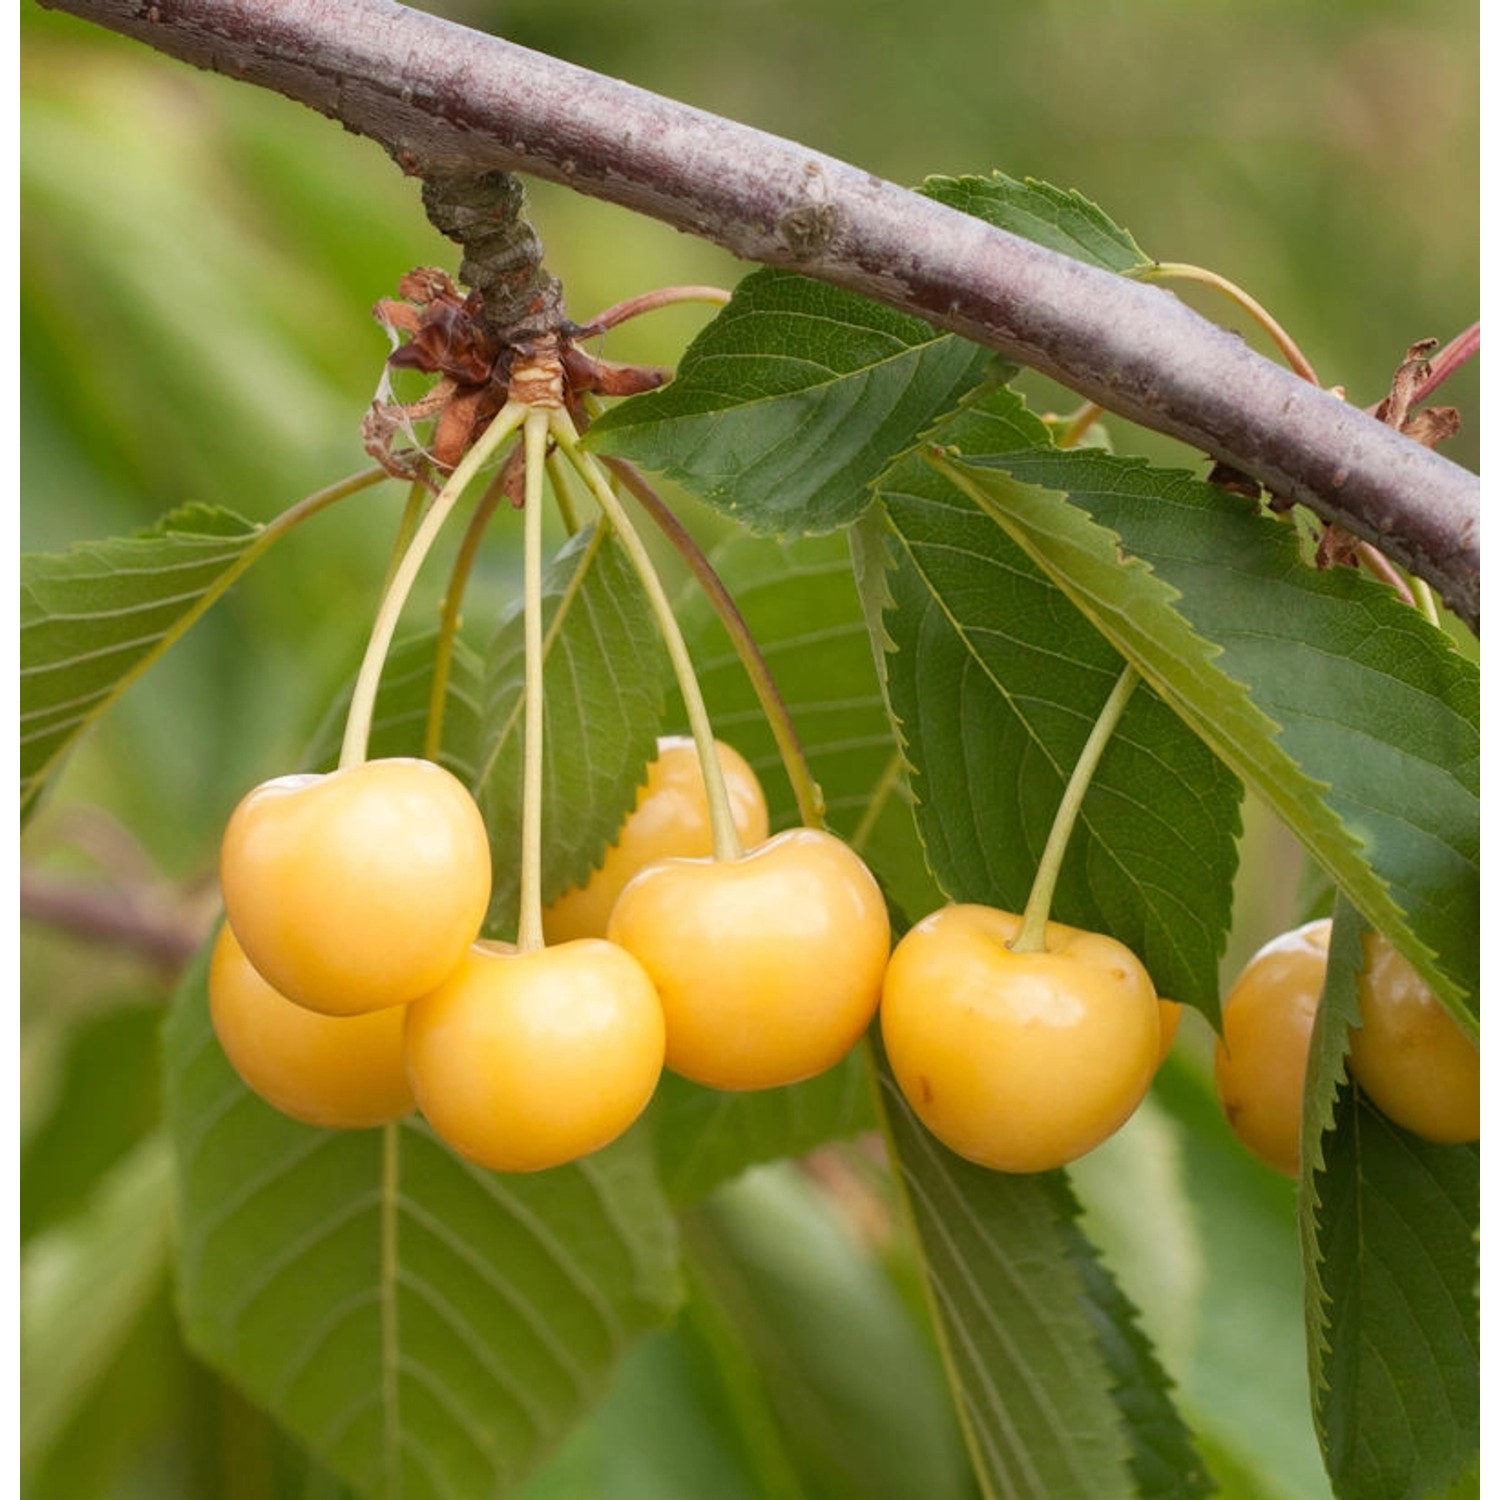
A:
(340, 1072)
(1260, 1062)
(670, 820)
(1171, 1019)
(359, 889)
(768, 966)
(1408, 1054)
(1018, 1061)
(522, 1061)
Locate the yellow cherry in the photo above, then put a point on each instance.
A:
(1260, 1062)
(359, 889)
(1408, 1054)
(768, 966)
(1018, 1061)
(340, 1072)
(670, 818)
(522, 1061)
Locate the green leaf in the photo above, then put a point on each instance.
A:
(603, 687)
(664, 1430)
(1390, 1229)
(1400, 1259)
(704, 1136)
(94, 618)
(1245, 1385)
(1063, 221)
(995, 680)
(102, 1099)
(1346, 711)
(1163, 1460)
(427, 1328)
(402, 704)
(1017, 1318)
(855, 1388)
(1326, 1077)
(1466, 1487)
(1139, 1212)
(790, 403)
(84, 1282)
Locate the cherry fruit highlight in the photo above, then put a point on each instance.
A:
(522, 1061)
(359, 889)
(1020, 1062)
(768, 966)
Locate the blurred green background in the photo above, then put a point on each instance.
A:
(198, 264)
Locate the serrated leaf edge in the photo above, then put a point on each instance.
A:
(1071, 196)
(258, 538)
(1291, 792)
(1327, 1074)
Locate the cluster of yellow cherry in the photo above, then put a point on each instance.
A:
(349, 983)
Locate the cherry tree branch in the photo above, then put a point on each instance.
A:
(444, 99)
(164, 932)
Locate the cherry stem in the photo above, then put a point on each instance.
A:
(549, 640)
(721, 818)
(1425, 600)
(453, 600)
(1032, 938)
(633, 307)
(529, 935)
(362, 703)
(885, 788)
(811, 808)
(1179, 271)
(1079, 424)
(1383, 568)
(557, 472)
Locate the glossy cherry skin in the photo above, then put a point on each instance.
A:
(1020, 1062)
(340, 1072)
(523, 1061)
(1260, 1061)
(670, 819)
(1408, 1054)
(359, 889)
(1170, 1015)
(768, 966)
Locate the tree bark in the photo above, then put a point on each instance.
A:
(444, 99)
